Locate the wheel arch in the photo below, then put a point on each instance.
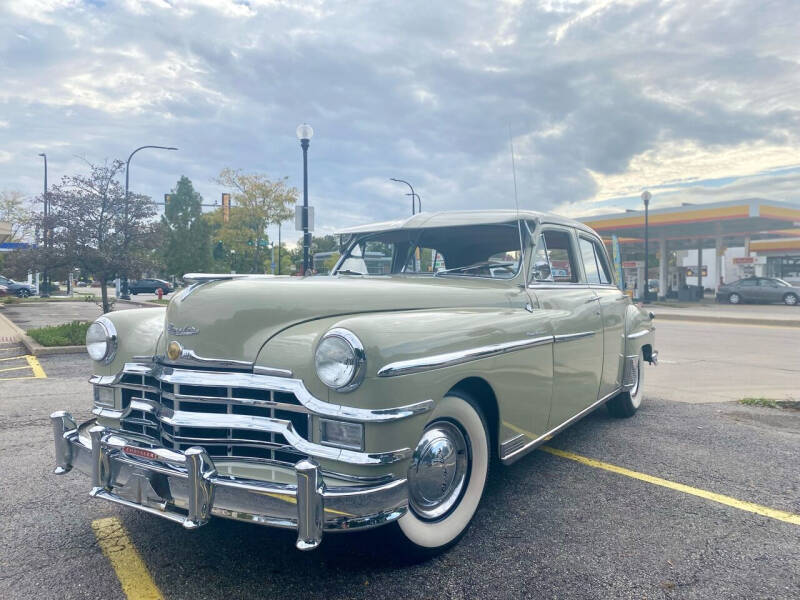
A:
(481, 391)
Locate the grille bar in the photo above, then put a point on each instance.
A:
(229, 420)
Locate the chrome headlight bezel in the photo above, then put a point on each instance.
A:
(357, 361)
(110, 338)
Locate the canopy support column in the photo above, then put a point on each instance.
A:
(663, 263)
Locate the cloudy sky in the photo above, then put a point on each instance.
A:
(697, 101)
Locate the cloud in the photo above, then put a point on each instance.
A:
(603, 98)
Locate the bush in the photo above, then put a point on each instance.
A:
(68, 334)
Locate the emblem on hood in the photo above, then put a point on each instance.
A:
(188, 330)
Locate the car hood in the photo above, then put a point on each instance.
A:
(232, 319)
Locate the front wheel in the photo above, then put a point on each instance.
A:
(625, 404)
(23, 293)
(447, 477)
(790, 299)
(734, 298)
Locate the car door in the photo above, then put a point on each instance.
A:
(770, 291)
(748, 290)
(558, 286)
(613, 303)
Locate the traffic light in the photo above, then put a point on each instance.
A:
(219, 250)
(226, 207)
(166, 199)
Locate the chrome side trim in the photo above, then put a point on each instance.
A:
(439, 361)
(533, 444)
(568, 337)
(640, 333)
(269, 382)
(515, 443)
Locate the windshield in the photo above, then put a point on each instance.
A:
(491, 251)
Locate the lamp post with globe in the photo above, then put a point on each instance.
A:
(646, 199)
(304, 134)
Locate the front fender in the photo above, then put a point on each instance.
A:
(138, 333)
(516, 378)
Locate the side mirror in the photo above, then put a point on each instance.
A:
(541, 271)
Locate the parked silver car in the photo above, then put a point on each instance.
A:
(759, 289)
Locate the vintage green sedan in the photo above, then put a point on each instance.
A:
(379, 395)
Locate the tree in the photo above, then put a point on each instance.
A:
(257, 203)
(187, 236)
(91, 227)
(13, 210)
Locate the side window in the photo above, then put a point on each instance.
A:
(748, 283)
(589, 261)
(594, 262)
(553, 258)
(602, 263)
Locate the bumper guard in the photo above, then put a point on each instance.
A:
(185, 487)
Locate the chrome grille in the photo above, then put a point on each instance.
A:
(149, 403)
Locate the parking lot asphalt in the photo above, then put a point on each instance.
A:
(548, 526)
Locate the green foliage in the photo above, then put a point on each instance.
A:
(69, 334)
(257, 202)
(187, 235)
(770, 403)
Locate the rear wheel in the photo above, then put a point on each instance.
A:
(446, 479)
(790, 299)
(23, 293)
(735, 298)
(625, 404)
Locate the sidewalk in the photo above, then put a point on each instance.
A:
(7, 332)
(749, 314)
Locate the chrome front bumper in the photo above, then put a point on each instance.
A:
(186, 487)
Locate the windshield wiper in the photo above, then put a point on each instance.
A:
(479, 265)
(349, 272)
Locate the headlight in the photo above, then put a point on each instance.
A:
(101, 340)
(340, 360)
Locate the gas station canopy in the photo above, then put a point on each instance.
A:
(688, 225)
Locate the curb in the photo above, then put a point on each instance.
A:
(34, 348)
(727, 320)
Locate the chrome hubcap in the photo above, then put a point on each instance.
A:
(438, 470)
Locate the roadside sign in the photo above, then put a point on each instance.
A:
(744, 260)
(632, 264)
(298, 218)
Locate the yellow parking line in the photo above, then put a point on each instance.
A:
(137, 584)
(37, 369)
(15, 368)
(764, 511)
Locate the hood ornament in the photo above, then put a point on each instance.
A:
(179, 331)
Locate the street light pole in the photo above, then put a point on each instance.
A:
(304, 134)
(45, 275)
(279, 248)
(646, 198)
(414, 196)
(124, 293)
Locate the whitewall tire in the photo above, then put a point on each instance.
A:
(447, 476)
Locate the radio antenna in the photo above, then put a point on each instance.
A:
(516, 206)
